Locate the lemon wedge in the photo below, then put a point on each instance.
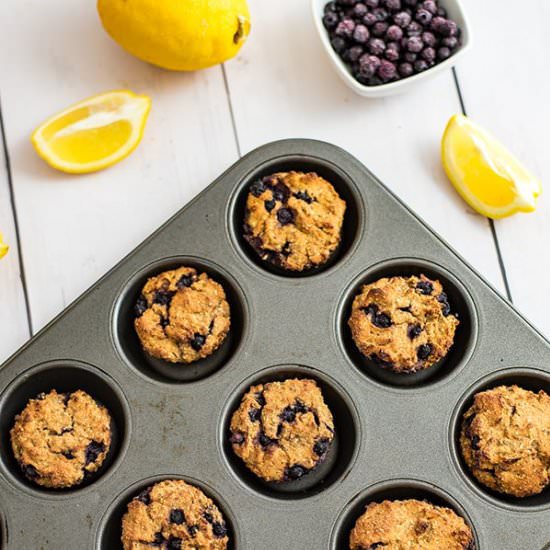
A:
(93, 134)
(3, 247)
(485, 174)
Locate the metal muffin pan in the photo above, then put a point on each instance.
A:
(396, 437)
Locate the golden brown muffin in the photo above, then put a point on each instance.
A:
(282, 430)
(404, 324)
(182, 316)
(505, 440)
(173, 514)
(410, 525)
(61, 438)
(294, 220)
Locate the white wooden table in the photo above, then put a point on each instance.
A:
(65, 232)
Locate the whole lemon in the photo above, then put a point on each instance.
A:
(182, 35)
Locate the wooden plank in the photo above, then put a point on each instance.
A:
(14, 326)
(506, 87)
(283, 86)
(75, 228)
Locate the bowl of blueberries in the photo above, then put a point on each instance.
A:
(379, 47)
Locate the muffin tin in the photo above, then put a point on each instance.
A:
(397, 437)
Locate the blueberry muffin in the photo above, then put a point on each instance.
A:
(173, 514)
(182, 316)
(294, 220)
(410, 524)
(404, 324)
(59, 439)
(505, 440)
(282, 430)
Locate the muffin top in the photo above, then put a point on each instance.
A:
(403, 324)
(282, 430)
(294, 220)
(173, 514)
(182, 316)
(60, 438)
(410, 525)
(505, 440)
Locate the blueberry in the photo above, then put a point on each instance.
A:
(387, 71)
(288, 414)
(368, 65)
(237, 438)
(414, 44)
(254, 415)
(436, 23)
(145, 496)
(193, 530)
(299, 407)
(413, 331)
(286, 250)
(330, 20)
(376, 46)
(370, 19)
(475, 440)
(379, 29)
(360, 10)
(428, 54)
(260, 399)
(372, 3)
(411, 3)
(392, 5)
(163, 297)
(93, 450)
(448, 28)
(430, 5)
(296, 472)
(445, 306)
(391, 54)
(361, 34)
(410, 57)
(352, 55)
(423, 16)
(421, 65)
(257, 188)
(270, 205)
(321, 447)
(173, 543)
(330, 6)
(177, 516)
(198, 341)
(208, 517)
(441, 12)
(443, 53)
(402, 19)
(429, 39)
(450, 42)
(280, 192)
(141, 306)
(185, 281)
(159, 539)
(264, 440)
(345, 28)
(285, 216)
(424, 351)
(68, 455)
(219, 529)
(425, 287)
(30, 471)
(414, 29)
(380, 13)
(394, 33)
(405, 69)
(338, 44)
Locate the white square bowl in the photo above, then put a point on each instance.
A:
(455, 12)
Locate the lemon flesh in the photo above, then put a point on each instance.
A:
(486, 175)
(184, 35)
(3, 247)
(93, 134)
